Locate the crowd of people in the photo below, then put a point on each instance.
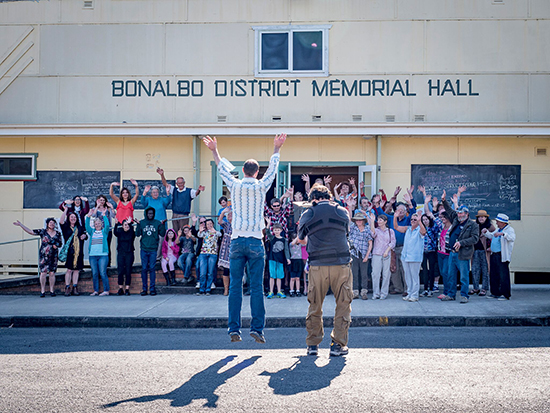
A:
(395, 246)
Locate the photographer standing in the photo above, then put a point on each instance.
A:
(326, 226)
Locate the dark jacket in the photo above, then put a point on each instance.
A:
(125, 239)
(467, 237)
(149, 230)
(326, 225)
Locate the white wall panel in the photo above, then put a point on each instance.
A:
(238, 10)
(207, 49)
(539, 93)
(376, 47)
(102, 49)
(315, 10)
(30, 100)
(461, 9)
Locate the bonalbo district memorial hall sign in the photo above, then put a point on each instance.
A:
(243, 88)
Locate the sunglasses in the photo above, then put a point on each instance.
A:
(276, 206)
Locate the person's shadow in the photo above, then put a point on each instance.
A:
(304, 375)
(201, 386)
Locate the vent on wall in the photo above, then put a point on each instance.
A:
(419, 118)
(316, 118)
(357, 118)
(222, 118)
(276, 118)
(390, 118)
(498, 1)
(88, 4)
(540, 152)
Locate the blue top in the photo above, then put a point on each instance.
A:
(495, 243)
(159, 205)
(413, 247)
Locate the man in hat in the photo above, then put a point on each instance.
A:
(326, 226)
(502, 244)
(464, 234)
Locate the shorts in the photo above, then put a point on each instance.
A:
(276, 270)
(296, 268)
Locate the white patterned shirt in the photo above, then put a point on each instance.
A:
(247, 199)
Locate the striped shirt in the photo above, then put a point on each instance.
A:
(247, 199)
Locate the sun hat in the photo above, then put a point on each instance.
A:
(482, 213)
(359, 216)
(502, 218)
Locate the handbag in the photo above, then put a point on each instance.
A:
(65, 249)
(393, 263)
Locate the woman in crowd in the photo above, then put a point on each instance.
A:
(224, 219)
(430, 267)
(443, 250)
(48, 252)
(70, 226)
(170, 252)
(384, 242)
(187, 252)
(361, 246)
(78, 204)
(125, 203)
(155, 201)
(126, 235)
(208, 256)
(412, 254)
(98, 250)
(104, 208)
(480, 266)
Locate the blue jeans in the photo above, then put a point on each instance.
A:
(148, 262)
(207, 264)
(185, 262)
(99, 267)
(245, 251)
(443, 261)
(455, 266)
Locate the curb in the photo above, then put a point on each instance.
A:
(271, 322)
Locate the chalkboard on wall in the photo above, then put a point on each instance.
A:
(142, 183)
(51, 188)
(494, 188)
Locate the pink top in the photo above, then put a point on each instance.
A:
(383, 239)
(305, 255)
(123, 212)
(442, 237)
(170, 250)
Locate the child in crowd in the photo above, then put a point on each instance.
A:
(125, 254)
(296, 266)
(279, 255)
(170, 252)
(187, 253)
(224, 219)
(208, 257)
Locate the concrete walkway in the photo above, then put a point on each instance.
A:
(529, 306)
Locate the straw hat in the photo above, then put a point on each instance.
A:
(359, 216)
(482, 213)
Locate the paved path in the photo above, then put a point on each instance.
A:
(528, 306)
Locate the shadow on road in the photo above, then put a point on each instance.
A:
(304, 375)
(201, 386)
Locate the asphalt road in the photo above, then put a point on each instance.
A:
(388, 370)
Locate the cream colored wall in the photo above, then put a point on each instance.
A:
(129, 155)
(531, 250)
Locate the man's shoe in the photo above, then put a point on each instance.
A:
(464, 300)
(425, 293)
(235, 337)
(270, 295)
(338, 350)
(281, 295)
(491, 296)
(355, 294)
(406, 298)
(312, 350)
(258, 337)
(412, 299)
(364, 294)
(448, 298)
(152, 291)
(430, 294)
(503, 298)
(143, 293)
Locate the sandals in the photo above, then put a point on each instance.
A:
(482, 293)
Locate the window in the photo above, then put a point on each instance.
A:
(18, 167)
(299, 50)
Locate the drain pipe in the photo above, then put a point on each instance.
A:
(197, 142)
(378, 161)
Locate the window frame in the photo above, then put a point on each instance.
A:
(290, 29)
(31, 177)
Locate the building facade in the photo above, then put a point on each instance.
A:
(369, 89)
